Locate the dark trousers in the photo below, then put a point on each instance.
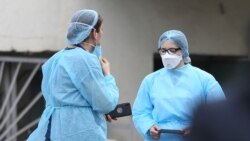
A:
(47, 135)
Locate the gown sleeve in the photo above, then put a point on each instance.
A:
(213, 89)
(142, 110)
(100, 91)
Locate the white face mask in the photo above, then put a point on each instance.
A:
(171, 61)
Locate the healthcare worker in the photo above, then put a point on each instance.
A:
(77, 86)
(167, 97)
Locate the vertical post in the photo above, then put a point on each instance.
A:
(1, 71)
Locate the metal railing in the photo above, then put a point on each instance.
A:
(12, 93)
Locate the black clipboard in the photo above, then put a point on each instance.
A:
(170, 131)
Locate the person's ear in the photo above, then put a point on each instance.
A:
(95, 34)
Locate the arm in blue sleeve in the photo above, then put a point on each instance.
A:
(100, 91)
(142, 110)
(213, 90)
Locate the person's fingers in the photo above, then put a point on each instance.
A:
(111, 118)
(154, 132)
(101, 60)
(108, 117)
(105, 66)
(186, 130)
(104, 60)
(157, 128)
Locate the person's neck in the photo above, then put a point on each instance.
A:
(181, 64)
(88, 46)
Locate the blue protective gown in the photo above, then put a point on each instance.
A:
(168, 97)
(77, 96)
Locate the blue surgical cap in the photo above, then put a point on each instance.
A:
(178, 38)
(81, 25)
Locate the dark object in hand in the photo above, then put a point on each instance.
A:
(171, 131)
(121, 110)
